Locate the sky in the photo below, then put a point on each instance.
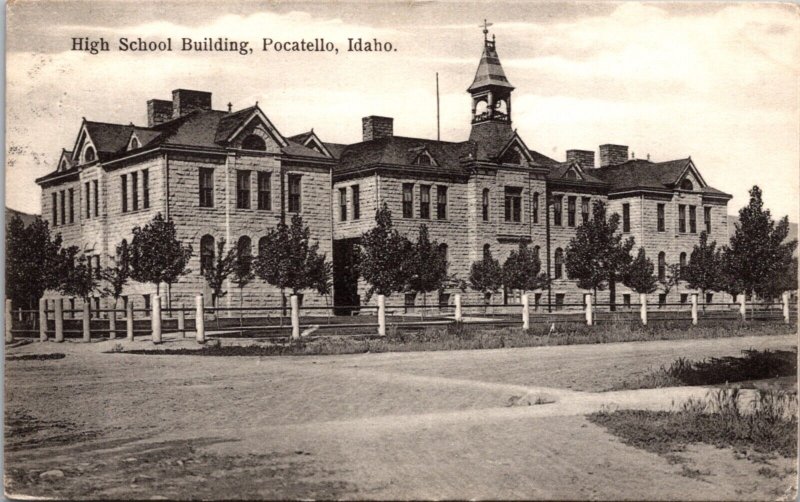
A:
(714, 81)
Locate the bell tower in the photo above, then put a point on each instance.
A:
(490, 90)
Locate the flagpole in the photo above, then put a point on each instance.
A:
(437, 108)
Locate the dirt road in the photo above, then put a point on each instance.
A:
(393, 425)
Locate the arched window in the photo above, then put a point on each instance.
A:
(683, 263)
(424, 159)
(662, 266)
(536, 252)
(687, 185)
(501, 106)
(262, 246)
(485, 204)
(89, 154)
(254, 142)
(571, 175)
(481, 107)
(134, 144)
(243, 247)
(559, 263)
(535, 208)
(206, 253)
(487, 251)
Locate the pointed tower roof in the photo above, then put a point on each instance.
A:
(490, 73)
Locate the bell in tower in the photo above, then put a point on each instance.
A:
(491, 90)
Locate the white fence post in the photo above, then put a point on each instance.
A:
(526, 315)
(129, 320)
(643, 313)
(155, 318)
(743, 307)
(694, 309)
(199, 319)
(588, 297)
(381, 315)
(458, 314)
(86, 320)
(785, 298)
(42, 320)
(9, 322)
(295, 317)
(59, 317)
(112, 322)
(182, 321)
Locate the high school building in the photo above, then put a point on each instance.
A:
(223, 174)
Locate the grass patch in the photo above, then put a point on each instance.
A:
(35, 357)
(752, 365)
(767, 425)
(471, 337)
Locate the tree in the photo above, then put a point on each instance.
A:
(156, 254)
(672, 276)
(639, 274)
(32, 261)
(597, 256)
(76, 277)
(383, 259)
(757, 255)
(117, 276)
(703, 270)
(242, 273)
(426, 265)
(522, 270)
(322, 272)
(220, 270)
(486, 276)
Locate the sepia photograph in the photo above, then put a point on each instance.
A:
(308, 250)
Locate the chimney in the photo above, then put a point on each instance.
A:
(374, 127)
(158, 112)
(613, 154)
(185, 101)
(584, 157)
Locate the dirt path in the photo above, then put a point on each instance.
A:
(395, 425)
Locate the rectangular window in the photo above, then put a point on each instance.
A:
(97, 270)
(626, 300)
(558, 201)
(485, 204)
(513, 204)
(535, 208)
(707, 218)
(693, 219)
(54, 207)
(682, 218)
(626, 217)
(135, 191)
(425, 201)
(96, 198)
(571, 211)
(72, 205)
(146, 302)
(265, 191)
(206, 187)
(709, 297)
(90, 265)
(356, 192)
(88, 204)
(559, 301)
(537, 300)
(408, 200)
(662, 300)
(243, 189)
(661, 225)
(684, 298)
(145, 188)
(295, 190)
(342, 204)
(63, 208)
(585, 209)
(123, 184)
(441, 202)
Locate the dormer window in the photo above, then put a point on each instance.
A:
(254, 142)
(89, 155)
(63, 166)
(424, 159)
(687, 185)
(571, 175)
(512, 156)
(134, 143)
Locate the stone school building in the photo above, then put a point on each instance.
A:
(225, 174)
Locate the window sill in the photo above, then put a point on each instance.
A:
(133, 211)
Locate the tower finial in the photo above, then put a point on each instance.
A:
(485, 27)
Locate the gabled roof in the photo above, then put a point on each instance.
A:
(394, 151)
(490, 72)
(108, 139)
(542, 160)
(558, 172)
(311, 141)
(491, 138)
(644, 174)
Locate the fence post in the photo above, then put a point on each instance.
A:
(381, 315)
(785, 298)
(42, 320)
(112, 322)
(295, 303)
(199, 319)
(155, 318)
(9, 322)
(19, 314)
(589, 312)
(87, 335)
(743, 307)
(59, 317)
(182, 321)
(129, 320)
(526, 315)
(643, 313)
(694, 309)
(458, 314)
